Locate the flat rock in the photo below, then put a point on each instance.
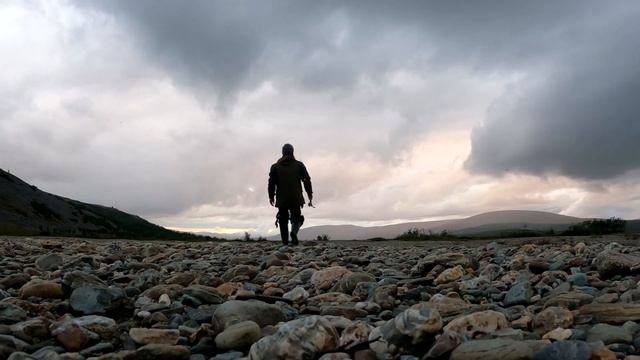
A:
(234, 311)
(238, 336)
(503, 349)
(154, 336)
(206, 294)
(565, 350)
(612, 313)
(162, 352)
(609, 334)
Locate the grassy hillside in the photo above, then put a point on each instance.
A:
(26, 210)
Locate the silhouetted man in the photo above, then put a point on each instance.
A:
(285, 178)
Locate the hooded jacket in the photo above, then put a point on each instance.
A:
(285, 182)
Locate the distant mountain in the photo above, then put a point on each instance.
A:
(26, 210)
(486, 223)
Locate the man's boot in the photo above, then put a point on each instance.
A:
(284, 232)
(294, 235)
(295, 227)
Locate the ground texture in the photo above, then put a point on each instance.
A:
(545, 298)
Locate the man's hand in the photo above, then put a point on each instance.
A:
(271, 202)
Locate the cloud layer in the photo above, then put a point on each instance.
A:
(176, 111)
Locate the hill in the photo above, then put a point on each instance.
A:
(27, 210)
(633, 226)
(486, 223)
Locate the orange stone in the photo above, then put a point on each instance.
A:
(228, 289)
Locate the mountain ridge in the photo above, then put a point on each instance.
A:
(27, 210)
(484, 222)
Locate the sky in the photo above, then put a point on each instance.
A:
(401, 111)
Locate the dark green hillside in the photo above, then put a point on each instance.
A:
(26, 210)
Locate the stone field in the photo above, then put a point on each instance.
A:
(544, 298)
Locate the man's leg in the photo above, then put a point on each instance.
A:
(283, 220)
(296, 223)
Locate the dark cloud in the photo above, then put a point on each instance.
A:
(227, 46)
(578, 117)
(583, 49)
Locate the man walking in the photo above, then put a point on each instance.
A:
(285, 178)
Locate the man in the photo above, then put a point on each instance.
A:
(285, 178)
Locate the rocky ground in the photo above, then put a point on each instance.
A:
(562, 298)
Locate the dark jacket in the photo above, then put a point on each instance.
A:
(285, 178)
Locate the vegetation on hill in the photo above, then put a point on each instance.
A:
(597, 227)
(593, 227)
(26, 210)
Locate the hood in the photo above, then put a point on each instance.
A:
(286, 160)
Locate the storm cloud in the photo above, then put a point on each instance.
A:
(579, 116)
(573, 112)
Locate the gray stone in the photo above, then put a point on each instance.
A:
(238, 336)
(348, 282)
(298, 295)
(408, 329)
(520, 293)
(232, 355)
(565, 350)
(10, 313)
(13, 342)
(579, 279)
(49, 262)
(612, 313)
(611, 262)
(503, 349)
(76, 279)
(303, 338)
(348, 311)
(162, 352)
(95, 300)
(234, 311)
(206, 294)
(609, 334)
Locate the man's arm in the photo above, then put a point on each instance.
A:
(306, 181)
(271, 187)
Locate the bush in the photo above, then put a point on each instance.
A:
(414, 234)
(597, 227)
